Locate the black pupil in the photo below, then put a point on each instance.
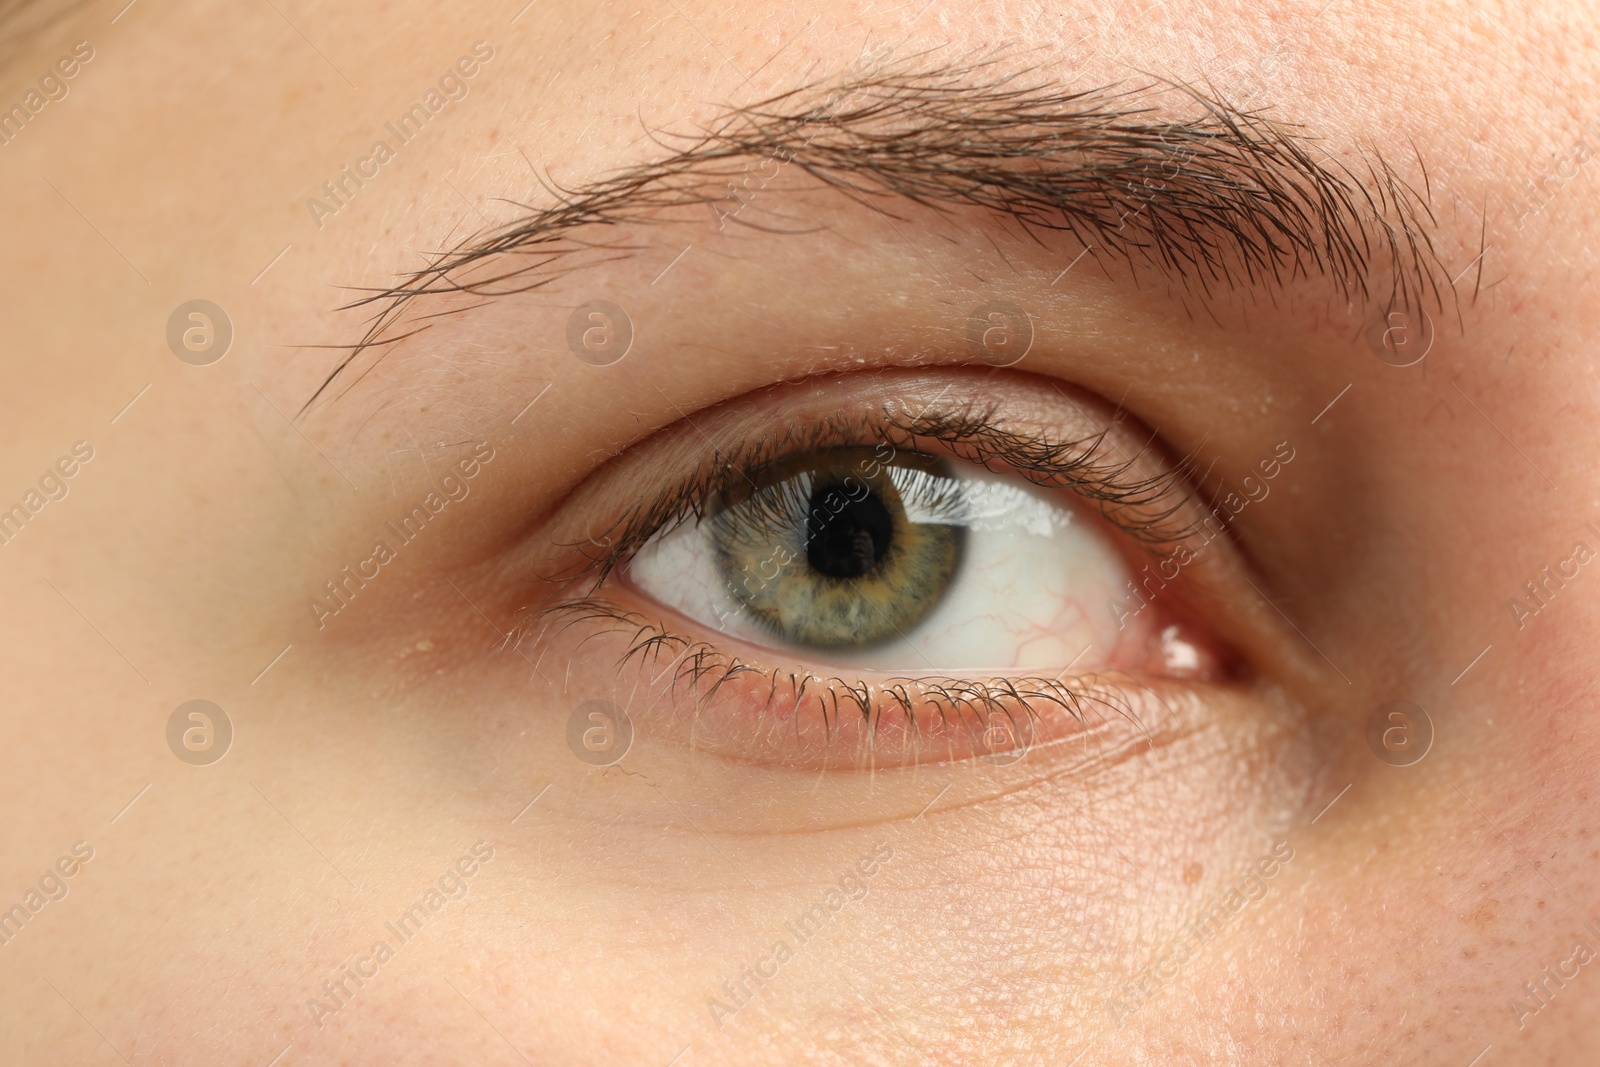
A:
(846, 537)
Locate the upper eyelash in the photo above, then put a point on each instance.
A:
(1145, 507)
(771, 511)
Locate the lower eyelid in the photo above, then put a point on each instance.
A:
(687, 691)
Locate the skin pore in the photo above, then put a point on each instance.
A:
(770, 875)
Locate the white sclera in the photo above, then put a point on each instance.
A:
(1032, 593)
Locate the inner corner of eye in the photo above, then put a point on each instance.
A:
(896, 561)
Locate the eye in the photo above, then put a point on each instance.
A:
(893, 560)
(862, 570)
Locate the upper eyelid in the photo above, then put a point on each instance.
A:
(1143, 506)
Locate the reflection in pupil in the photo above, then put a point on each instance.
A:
(846, 537)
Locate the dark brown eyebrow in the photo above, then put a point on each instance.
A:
(1224, 197)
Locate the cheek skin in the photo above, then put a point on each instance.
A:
(643, 881)
(658, 889)
(1447, 884)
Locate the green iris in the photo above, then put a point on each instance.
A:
(842, 548)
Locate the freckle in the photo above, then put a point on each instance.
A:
(1192, 873)
(1469, 953)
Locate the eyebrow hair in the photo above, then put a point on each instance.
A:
(1225, 197)
(22, 21)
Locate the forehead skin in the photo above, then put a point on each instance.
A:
(179, 166)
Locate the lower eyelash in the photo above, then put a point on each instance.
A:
(957, 706)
